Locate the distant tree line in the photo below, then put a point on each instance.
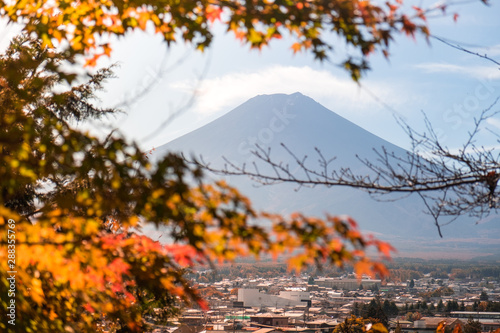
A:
(381, 310)
(401, 270)
(405, 270)
(376, 309)
(439, 292)
(356, 324)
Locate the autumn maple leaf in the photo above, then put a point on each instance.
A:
(213, 13)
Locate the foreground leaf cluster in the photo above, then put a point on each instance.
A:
(79, 202)
(84, 26)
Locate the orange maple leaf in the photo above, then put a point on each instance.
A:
(363, 267)
(385, 248)
(441, 327)
(119, 266)
(296, 47)
(458, 328)
(213, 13)
(92, 62)
(89, 308)
(203, 304)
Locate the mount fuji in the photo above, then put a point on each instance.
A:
(302, 124)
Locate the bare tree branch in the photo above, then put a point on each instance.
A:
(449, 182)
(458, 47)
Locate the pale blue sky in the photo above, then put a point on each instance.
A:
(449, 85)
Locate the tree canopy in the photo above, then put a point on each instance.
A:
(360, 325)
(71, 206)
(84, 27)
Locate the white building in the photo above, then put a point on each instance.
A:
(252, 297)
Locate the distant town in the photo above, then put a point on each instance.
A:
(265, 298)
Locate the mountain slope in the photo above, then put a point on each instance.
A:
(303, 124)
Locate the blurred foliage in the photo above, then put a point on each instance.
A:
(406, 269)
(360, 325)
(472, 326)
(78, 202)
(360, 27)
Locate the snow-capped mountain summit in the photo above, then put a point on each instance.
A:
(302, 124)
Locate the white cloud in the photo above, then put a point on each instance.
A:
(491, 51)
(227, 91)
(493, 122)
(478, 72)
